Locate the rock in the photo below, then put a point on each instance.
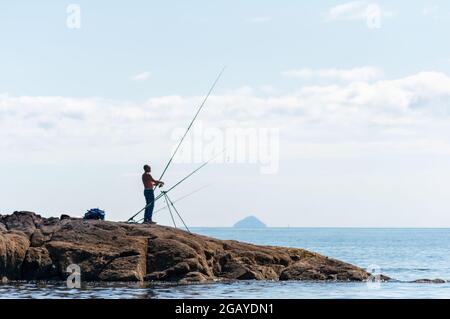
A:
(101, 249)
(36, 248)
(193, 277)
(317, 268)
(429, 281)
(37, 238)
(4, 280)
(13, 248)
(21, 221)
(38, 265)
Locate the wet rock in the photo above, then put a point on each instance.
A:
(130, 268)
(42, 248)
(318, 268)
(429, 281)
(38, 265)
(193, 277)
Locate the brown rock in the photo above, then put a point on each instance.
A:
(13, 248)
(102, 250)
(37, 238)
(110, 251)
(320, 268)
(130, 268)
(193, 277)
(38, 265)
(21, 221)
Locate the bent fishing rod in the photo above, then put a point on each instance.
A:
(181, 181)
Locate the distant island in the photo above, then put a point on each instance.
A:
(250, 222)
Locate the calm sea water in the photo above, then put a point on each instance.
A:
(402, 254)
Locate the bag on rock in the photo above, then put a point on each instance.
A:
(95, 213)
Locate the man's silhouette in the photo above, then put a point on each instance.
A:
(149, 184)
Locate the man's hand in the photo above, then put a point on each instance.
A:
(160, 184)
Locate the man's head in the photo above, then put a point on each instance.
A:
(147, 168)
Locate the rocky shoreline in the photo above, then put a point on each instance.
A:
(37, 248)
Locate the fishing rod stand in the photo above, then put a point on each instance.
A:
(170, 205)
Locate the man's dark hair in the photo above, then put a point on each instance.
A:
(146, 167)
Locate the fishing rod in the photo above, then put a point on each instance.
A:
(182, 197)
(177, 200)
(192, 122)
(131, 219)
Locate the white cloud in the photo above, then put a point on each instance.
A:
(355, 10)
(143, 76)
(431, 11)
(366, 73)
(363, 115)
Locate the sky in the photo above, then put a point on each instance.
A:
(333, 113)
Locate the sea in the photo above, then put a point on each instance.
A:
(406, 255)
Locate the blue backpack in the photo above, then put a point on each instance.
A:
(95, 213)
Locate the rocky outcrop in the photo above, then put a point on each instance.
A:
(35, 248)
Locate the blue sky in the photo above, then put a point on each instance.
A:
(362, 112)
(182, 43)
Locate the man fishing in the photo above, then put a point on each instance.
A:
(149, 184)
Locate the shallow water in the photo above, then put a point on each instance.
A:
(403, 254)
(242, 289)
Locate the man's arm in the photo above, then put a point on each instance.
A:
(157, 183)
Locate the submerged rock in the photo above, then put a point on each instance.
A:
(35, 248)
(429, 281)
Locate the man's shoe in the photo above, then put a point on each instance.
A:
(150, 223)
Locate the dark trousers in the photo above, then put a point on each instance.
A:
(150, 200)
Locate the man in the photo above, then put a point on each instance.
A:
(149, 184)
